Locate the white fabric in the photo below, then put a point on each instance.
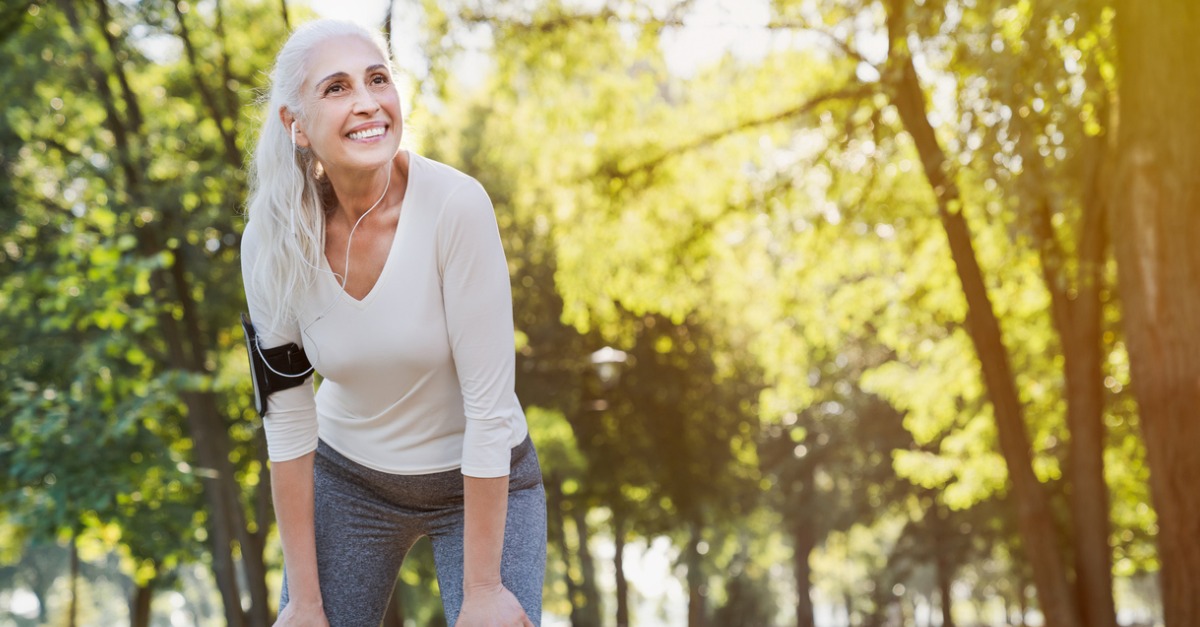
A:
(418, 376)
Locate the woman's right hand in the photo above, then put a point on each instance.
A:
(292, 493)
(299, 615)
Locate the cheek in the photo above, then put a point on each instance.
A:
(322, 121)
(390, 102)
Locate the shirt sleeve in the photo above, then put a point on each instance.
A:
(478, 304)
(291, 419)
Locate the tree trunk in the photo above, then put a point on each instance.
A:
(587, 568)
(264, 515)
(1076, 308)
(139, 605)
(1076, 314)
(1156, 211)
(205, 424)
(1034, 520)
(804, 542)
(619, 566)
(73, 609)
(1087, 490)
(558, 534)
(697, 611)
(944, 565)
(879, 601)
(1023, 600)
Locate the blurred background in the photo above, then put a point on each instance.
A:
(829, 312)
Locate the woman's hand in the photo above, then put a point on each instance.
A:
(301, 615)
(491, 606)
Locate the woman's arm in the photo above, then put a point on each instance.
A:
(486, 504)
(292, 491)
(478, 302)
(291, 432)
(485, 599)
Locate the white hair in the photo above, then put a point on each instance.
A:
(288, 191)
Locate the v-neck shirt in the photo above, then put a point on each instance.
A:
(418, 376)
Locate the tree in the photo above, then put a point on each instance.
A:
(1020, 153)
(1156, 209)
(125, 279)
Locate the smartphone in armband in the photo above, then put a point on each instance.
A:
(273, 369)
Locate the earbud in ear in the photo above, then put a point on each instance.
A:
(293, 134)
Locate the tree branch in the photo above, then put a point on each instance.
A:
(231, 105)
(116, 124)
(675, 18)
(1054, 273)
(210, 101)
(131, 103)
(12, 18)
(847, 93)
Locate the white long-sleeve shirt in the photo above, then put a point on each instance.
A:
(418, 376)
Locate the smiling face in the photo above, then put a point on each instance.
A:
(353, 119)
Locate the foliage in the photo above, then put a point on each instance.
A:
(759, 237)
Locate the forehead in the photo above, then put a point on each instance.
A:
(345, 53)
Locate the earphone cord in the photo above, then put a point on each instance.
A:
(342, 285)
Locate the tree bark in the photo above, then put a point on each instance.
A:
(215, 111)
(205, 425)
(1023, 599)
(208, 424)
(1156, 211)
(1034, 520)
(1076, 314)
(587, 567)
(619, 566)
(73, 609)
(139, 605)
(804, 542)
(697, 606)
(558, 535)
(1078, 321)
(944, 565)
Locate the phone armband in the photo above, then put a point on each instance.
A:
(273, 369)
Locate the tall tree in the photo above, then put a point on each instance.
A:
(1034, 514)
(1156, 212)
(126, 220)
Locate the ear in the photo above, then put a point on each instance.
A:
(286, 117)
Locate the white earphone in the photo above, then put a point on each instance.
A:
(293, 134)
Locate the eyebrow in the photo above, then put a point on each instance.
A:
(342, 75)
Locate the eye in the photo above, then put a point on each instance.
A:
(335, 88)
(379, 79)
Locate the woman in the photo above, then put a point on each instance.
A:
(388, 270)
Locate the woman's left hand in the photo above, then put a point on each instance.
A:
(491, 606)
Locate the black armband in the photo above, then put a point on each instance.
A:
(273, 369)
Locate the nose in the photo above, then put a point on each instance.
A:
(365, 102)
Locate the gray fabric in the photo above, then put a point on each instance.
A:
(366, 521)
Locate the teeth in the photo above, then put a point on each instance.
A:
(371, 132)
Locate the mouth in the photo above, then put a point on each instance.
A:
(367, 133)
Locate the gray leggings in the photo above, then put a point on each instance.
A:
(366, 521)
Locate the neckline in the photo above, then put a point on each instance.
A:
(387, 263)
